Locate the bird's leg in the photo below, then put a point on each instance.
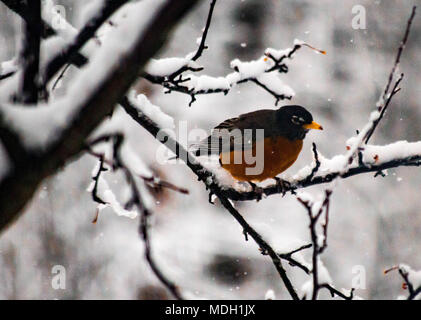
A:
(282, 186)
(256, 189)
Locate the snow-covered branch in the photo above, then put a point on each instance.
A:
(264, 72)
(356, 160)
(412, 280)
(123, 159)
(85, 34)
(46, 30)
(320, 275)
(64, 124)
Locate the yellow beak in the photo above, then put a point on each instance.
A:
(313, 125)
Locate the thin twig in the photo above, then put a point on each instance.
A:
(202, 45)
(316, 165)
(263, 245)
(136, 200)
(403, 272)
(386, 97)
(60, 76)
(317, 249)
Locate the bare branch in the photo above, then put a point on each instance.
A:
(202, 45)
(387, 97)
(316, 165)
(263, 245)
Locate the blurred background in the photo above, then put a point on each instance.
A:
(374, 222)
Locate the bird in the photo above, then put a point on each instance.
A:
(238, 141)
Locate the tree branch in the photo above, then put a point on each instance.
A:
(19, 7)
(28, 92)
(222, 194)
(87, 32)
(387, 97)
(263, 245)
(21, 183)
(317, 249)
(135, 200)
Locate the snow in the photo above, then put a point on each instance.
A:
(133, 162)
(372, 154)
(106, 194)
(307, 288)
(270, 295)
(90, 10)
(323, 278)
(8, 66)
(414, 277)
(58, 22)
(277, 54)
(143, 105)
(137, 167)
(38, 127)
(206, 83)
(244, 70)
(323, 273)
(50, 48)
(220, 175)
(355, 143)
(167, 66)
(305, 196)
(273, 82)
(298, 42)
(398, 150)
(251, 69)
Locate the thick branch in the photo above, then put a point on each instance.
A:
(214, 188)
(21, 183)
(202, 174)
(28, 92)
(19, 7)
(87, 32)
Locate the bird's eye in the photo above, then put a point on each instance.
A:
(296, 120)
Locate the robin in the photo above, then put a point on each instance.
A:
(276, 140)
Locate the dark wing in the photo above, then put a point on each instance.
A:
(232, 134)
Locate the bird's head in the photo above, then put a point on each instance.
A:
(295, 121)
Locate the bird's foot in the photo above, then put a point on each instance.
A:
(283, 186)
(256, 189)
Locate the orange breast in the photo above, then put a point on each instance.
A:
(267, 159)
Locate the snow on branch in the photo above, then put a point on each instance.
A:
(47, 31)
(87, 32)
(137, 176)
(87, 102)
(370, 158)
(412, 280)
(320, 274)
(264, 72)
(223, 196)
